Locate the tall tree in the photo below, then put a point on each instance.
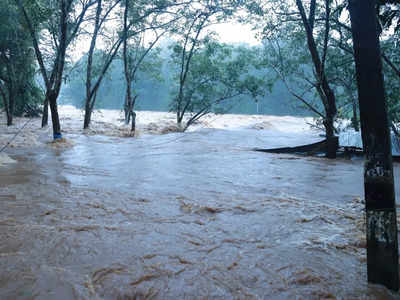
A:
(388, 12)
(219, 76)
(294, 18)
(18, 88)
(198, 17)
(59, 23)
(134, 54)
(136, 24)
(382, 244)
(102, 12)
(138, 57)
(319, 60)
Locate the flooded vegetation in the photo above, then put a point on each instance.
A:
(183, 215)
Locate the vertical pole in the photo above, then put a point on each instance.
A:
(382, 247)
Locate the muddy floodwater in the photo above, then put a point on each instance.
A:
(194, 215)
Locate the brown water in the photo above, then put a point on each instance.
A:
(182, 216)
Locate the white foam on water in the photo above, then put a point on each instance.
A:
(5, 159)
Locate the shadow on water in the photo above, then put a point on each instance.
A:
(195, 215)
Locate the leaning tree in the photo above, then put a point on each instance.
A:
(310, 23)
(53, 26)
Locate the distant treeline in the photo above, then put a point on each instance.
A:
(154, 94)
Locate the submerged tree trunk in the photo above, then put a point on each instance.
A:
(332, 140)
(45, 116)
(89, 106)
(382, 244)
(11, 105)
(6, 107)
(129, 109)
(179, 118)
(87, 119)
(5, 103)
(127, 115)
(54, 116)
(126, 109)
(129, 104)
(133, 127)
(9, 117)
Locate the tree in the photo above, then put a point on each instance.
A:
(319, 60)
(389, 16)
(388, 13)
(382, 244)
(18, 88)
(217, 73)
(9, 54)
(59, 23)
(101, 15)
(198, 18)
(289, 60)
(342, 77)
(139, 58)
(291, 20)
(391, 68)
(134, 54)
(136, 24)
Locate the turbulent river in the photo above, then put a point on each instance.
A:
(195, 215)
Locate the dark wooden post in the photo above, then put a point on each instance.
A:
(382, 248)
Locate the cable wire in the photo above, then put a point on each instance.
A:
(15, 135)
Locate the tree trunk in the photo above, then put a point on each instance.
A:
(128, 103)
(127, 116)
(129, 106)
(326, 93)
(332, 140)
(89, 106)
(9, 116)
(45, 116)
(133, 128)
(11, 105)
(6, 108)
(179, 118)
(88, 115)
(54, 116)
(126, 110)
(382, 244)
(354, 119)
(9, 119)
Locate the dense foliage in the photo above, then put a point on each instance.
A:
(19, 91)
(155, 86)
